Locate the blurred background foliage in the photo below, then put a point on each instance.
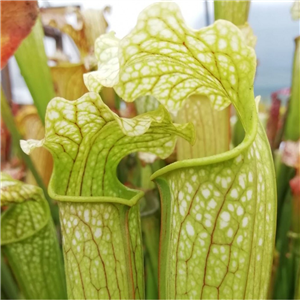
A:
(71, 31)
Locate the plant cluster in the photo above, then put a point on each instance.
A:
(218, 202)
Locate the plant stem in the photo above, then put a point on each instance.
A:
(234, 11)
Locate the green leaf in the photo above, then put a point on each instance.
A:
(218, 212)
(32, 61)
(99, 216)
(292, 126)
(29, 241)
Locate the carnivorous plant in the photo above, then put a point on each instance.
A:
(29, 241)
(218, 212)
(100, 216)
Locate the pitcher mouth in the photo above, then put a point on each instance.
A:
(95, 199)
(208, 160)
